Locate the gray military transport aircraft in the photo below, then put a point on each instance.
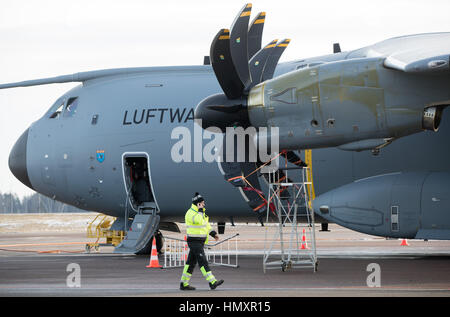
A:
(370, 115)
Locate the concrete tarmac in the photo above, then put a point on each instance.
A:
(121, 275)
(421, 269)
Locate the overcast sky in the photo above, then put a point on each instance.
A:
(53, 37)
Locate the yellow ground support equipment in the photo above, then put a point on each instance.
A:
(100, 228)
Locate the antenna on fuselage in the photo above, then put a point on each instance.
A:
(336, 48)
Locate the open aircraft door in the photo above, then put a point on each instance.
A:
(141, 204)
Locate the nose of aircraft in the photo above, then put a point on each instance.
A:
(18, 160)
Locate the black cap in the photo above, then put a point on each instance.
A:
(197, 199)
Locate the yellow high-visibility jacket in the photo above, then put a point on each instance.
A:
(197, 223)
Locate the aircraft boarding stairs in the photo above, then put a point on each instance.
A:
(139, 234)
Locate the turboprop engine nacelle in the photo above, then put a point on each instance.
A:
(336, 104)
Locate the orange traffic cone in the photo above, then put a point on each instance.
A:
(154, 262)
(404, 243)
(304, 245)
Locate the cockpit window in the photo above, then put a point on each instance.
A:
(61, 108)
(71, 107)
(57, 112)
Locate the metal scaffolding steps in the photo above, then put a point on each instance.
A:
(293, 243)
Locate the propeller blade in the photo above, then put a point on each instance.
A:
(239, 44)
(258, 63)
(255, 34)
(223, 65)
(272, 62)
(294, 159)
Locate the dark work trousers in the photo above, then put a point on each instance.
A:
(196, 255)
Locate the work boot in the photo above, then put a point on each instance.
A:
(187, 287)
(215, 284)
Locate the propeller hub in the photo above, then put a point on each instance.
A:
(219, 111)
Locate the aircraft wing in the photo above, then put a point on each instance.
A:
(423, 53)
(96, 74)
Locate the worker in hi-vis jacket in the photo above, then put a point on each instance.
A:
(198, 230)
